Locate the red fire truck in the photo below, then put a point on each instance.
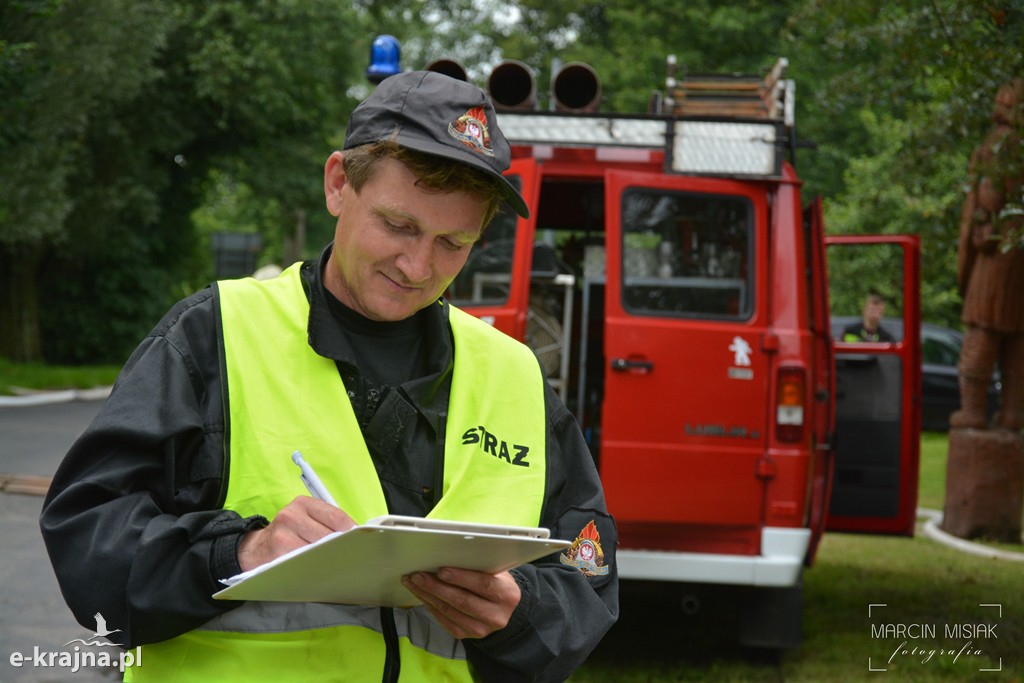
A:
(673, 282)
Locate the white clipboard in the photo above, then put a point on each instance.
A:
(364, 565)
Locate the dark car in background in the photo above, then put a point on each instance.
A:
(940, 354)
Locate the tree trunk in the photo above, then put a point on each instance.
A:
(19, 305)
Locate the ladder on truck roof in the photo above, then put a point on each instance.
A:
(733, 126)
(734, 96)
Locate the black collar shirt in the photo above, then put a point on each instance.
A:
(399, 422)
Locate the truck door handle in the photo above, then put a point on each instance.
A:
(624, 365)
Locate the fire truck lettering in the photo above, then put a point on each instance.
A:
(732, 432)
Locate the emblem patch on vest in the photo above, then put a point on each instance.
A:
(513, 454)
(585, 552)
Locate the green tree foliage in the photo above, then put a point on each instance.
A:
(906, 94)
(629, 48)
(114, 113)
(627, 44)
(60, 64)
(130, 129)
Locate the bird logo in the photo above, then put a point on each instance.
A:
(101, 632)
(101, 627)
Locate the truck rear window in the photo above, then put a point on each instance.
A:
(687, 254)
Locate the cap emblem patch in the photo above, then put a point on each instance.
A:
(471, 130)
(585, 552)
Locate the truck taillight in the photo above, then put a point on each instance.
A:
(789, 405)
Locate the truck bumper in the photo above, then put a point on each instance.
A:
(780, 563)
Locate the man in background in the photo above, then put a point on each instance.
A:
(869, 329)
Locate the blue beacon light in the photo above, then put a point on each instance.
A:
(385, 54)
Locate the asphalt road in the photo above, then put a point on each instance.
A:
(34, 621)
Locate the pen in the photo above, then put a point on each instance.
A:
(313, 484)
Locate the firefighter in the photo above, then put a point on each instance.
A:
(401, 402)
(869, 329)
(991, 269)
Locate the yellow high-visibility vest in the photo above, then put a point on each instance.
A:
(283, 397)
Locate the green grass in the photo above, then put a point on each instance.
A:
(919, 580)
(931, 489)
(38, 376)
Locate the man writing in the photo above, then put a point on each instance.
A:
(357, 361)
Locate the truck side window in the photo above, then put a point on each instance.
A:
(687, 255)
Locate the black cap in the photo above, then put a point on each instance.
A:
(437, 114)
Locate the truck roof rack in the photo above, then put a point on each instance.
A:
(724, 126)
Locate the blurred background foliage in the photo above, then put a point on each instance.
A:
(132, 130)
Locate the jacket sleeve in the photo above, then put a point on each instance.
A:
(569, 602)
(132, 521)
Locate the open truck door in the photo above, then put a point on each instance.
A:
(486, 287)
(823, 360)
(878, 384)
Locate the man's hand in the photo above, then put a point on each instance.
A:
(299, 523)
(466, 603)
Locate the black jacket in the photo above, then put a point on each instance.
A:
(855, 332)
(133, 520)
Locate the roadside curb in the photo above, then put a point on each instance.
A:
(39, 398)
(931, 529)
